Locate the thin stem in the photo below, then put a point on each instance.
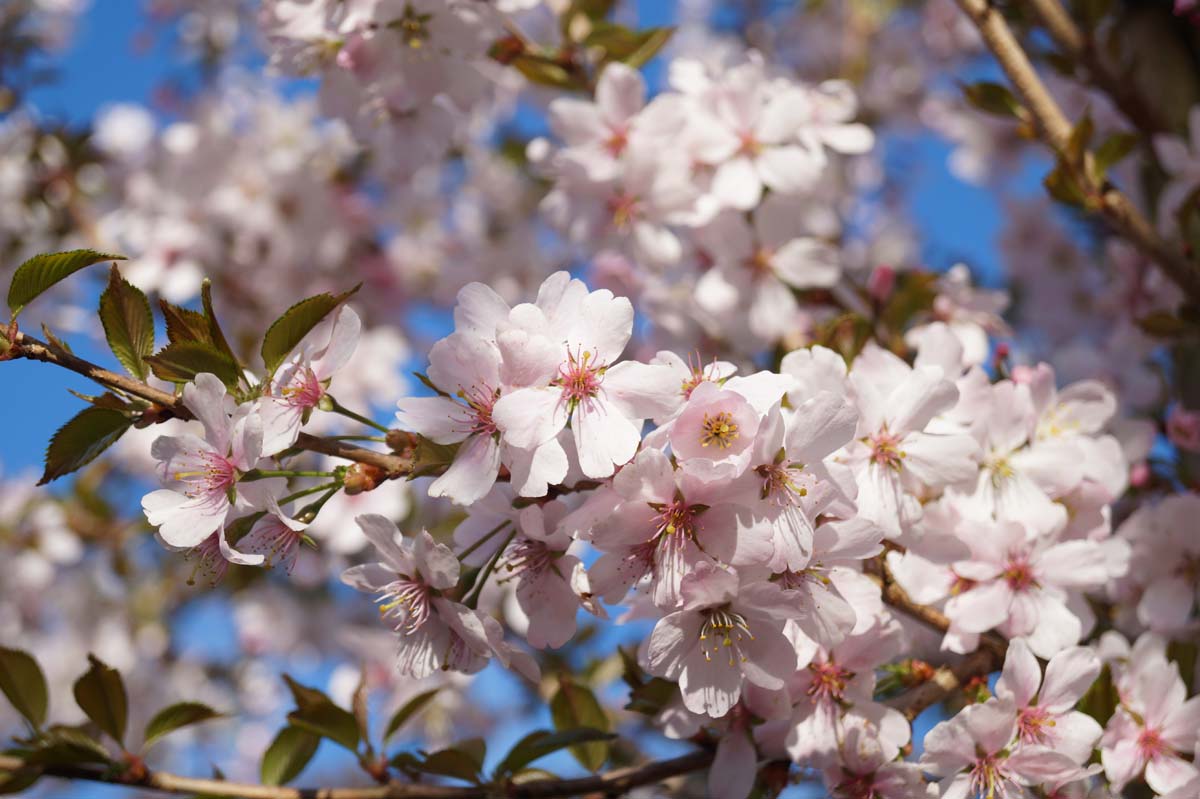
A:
(263, 474)
(379, 439)
(337, 407)
(463, 555)
(309, 512)
(476, 590)
(307, 491)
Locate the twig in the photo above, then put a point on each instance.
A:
(1055, 130)
(1081, 48)
(613, 783)
(169, 405)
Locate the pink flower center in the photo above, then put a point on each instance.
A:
(988, 778)
(527, 555)
(580, 378)
(617, 139)
(719, 429)
(676, 516)
(210, 563)
(304, 390)
(750, 145)
(1150, 743)
(625, 209)
(779, 484)
(700, 374)
(277, 542)
(215, 475)
(726, 630)
(857, 786)
(1033, 724)
(885, 450)
(760, 262)
(1019, 573)
(828, 681)
(407, 602)
(480, 399)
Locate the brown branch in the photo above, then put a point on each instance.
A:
(1055, 130)
(613, 783)
(167, 405)
(1081, 48)
(988, 657)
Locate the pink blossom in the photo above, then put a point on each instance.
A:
(1151, 741)
(723, 636)
(298, 387)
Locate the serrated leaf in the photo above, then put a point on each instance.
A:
(296, 322)
(543, 742)
(573, 706)
(82, 439)
(128, 323)
(992, 98)
(287, 755)
(106, 400)
(216, 336)
(410, 709)
(318, 714)
(100, 693)
(62, 744)
(180, 362)
(22, 681)
(175, 716)
(184, 324)
(452, 762)
(42, 271)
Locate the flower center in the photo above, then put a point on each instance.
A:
(527, 555)
(407, 603)
(617, 140)
(699, 374)
(214, 475)
(718, 429)
(304, 390)
(749, 144)
(779, 484)
(1001, 470)
(885, 450)
(480, 400)
(1150, 743)
(580, 378)
(1032, 724)
(1019, 574)
(674, 517)
(828, 681)
(210, 563)
(625, 209)
(412, 27)
(988, 779)
(760, 262)
(724, 629)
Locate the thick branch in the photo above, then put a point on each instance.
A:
(170, 405)
(1055, 129)
(614, 783)
(1081, 49)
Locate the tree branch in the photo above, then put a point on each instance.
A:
(1055, 130)
(1080, 47)
(168, 405)
(614, 783)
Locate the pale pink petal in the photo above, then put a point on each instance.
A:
(472, 473)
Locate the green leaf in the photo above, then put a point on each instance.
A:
(1112, 150)
(287, 755)
(430, 458)
(1062, 187)
(543, 742)
(22, 681)
(42, 271)
(173, 717)
(543, 71)
(1101, 699)
(1081, 137)
(410, 709)
(290, 329)
(574, 706)
(630, 47)
(316, 713)
(63, 744)
(992, 98)
(214, 327)
(181, 362)
(128, 323)
(452, 762)
(184, 324)
(100, 693)
(81, 440)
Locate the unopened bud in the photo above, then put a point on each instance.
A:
(881, 283)
(401, 442)
(363, 477)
